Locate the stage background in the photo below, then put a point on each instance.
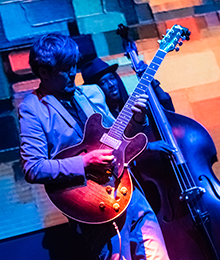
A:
(191, 76)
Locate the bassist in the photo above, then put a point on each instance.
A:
(169, 182)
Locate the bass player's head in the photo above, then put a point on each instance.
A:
(99, 72)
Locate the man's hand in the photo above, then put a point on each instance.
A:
(160, 146)
(102, 157)
(139, 109)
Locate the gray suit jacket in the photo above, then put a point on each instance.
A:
(46, 128)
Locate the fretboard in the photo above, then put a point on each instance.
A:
(118, 128)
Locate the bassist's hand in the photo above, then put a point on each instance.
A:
(160, 146)
(101, 157)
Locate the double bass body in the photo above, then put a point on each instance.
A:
(186, 238)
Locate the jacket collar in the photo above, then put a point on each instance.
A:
(55, 103)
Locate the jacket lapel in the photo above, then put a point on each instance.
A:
(83, 102)
(53, 102)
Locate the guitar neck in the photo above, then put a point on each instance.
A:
(168, 43)
(118, 128)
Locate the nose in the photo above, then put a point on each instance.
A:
(110, 83)
(72, 72)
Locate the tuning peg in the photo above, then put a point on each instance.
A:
(180, 43)
(177, 49)
(187, 36)
(159, 41)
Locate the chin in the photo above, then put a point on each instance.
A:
(70, 89)
(115, 97)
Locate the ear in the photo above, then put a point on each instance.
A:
(43, 73)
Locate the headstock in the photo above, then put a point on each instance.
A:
(174, 36)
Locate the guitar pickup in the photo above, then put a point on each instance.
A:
(110, 141)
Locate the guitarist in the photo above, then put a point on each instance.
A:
(52, 118)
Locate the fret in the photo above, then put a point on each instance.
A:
(128, 113)
(139, 90)
(157, 60)
(159, 57)
(149, 72)
(122, 117)
(148, 77)
(130, 101)
(143, 82)
(133, 97)
(118, 131)
(161, 54)
(116, 135)
(119, 127)
(151, 68)
(154, 66)
(122, 123)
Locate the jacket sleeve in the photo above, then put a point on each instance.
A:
(37, 164)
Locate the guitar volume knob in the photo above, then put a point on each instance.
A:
(102, 205)
(124, 191)
(116, 207)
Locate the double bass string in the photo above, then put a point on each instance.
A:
(186, 182)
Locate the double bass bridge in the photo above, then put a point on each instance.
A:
(192, 196)
(192, 193)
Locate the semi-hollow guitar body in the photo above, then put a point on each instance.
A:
(107, 192)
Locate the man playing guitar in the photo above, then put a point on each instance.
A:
(54, 118)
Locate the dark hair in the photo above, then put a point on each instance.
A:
(52, 50)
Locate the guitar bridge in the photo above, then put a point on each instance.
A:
(110, 141)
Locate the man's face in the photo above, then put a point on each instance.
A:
(109, 84)
(62, 80)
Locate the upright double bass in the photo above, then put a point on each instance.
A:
(182, 189)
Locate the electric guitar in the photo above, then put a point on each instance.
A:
(106, 193)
